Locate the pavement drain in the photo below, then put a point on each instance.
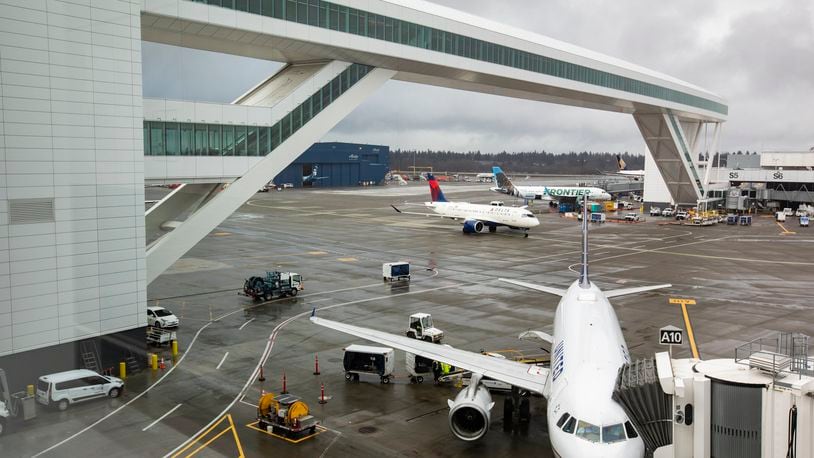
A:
(367, 429)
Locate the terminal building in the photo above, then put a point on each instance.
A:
(747, 182)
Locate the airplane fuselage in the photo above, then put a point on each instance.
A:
(507, 216)
(587, 351)
(556, 192)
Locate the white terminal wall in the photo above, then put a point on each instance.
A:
(71, 130)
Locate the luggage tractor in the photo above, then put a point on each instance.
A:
(421, 328)
(274, 284)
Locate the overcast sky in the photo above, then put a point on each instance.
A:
(757, 54)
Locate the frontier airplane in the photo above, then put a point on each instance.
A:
(588, 349)
(504, 185)
(475, 217)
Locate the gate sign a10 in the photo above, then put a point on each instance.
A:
(671, 335)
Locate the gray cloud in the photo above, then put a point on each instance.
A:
(756, 54)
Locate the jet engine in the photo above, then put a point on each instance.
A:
(469, 413)
(472, 226)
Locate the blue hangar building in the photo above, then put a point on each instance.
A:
(337, 164)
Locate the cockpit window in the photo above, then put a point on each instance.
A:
(631, 433)
(613, 433)
(588, 431)
(569, 425)
(562, 419)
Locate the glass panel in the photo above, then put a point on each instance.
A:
(275, 135)
(146, 139)
(290, 10)
(631, 432)
(316, 104)
(240, 140)
(302, 12)
(343, 19)
(306, 111)
(241, 5)
(296, 119)
(562, 419)
(267, 8)
(214, 140)
(613, 433)
(201, 144)
(588, 431)
(173, 145)
(157, 138)
(279, 9)
(251, 143)
(187, 143)
(228, 140)
(353, 21)
(285, 127)
(569, 425)
(263, 143)
(313, 13)
(254, 6)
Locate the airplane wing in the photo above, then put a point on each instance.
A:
(420, 213)
(640, 289)
(525, 376)
(544, 289)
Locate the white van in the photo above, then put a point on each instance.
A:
(70, 387)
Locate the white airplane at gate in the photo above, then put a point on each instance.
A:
(476, 217)
(588, 349)
(505, 186)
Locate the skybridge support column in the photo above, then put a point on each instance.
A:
(169, 248)
(666, 139)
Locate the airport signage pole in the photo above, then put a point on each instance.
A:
(671, 335)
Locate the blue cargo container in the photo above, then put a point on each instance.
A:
(337, 164)
(566, 207)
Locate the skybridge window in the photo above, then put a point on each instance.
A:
(588, 431)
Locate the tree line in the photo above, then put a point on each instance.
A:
(584, 162)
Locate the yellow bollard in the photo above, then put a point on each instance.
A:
(30, 390)
(154, 361)
(174, 348)
(122, 370)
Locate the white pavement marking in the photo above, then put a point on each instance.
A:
(191, 343)
(245, 324)
(270, 344)
(222, 360)
(162, 417)
(338, 435)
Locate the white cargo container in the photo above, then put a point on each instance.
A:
(363, 359)
(396, 271)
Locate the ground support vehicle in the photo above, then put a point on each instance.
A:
(160, 337)
(598, 218)
(655, 211)
(804, 221)
(731, 220)
(667, 212)
(632, 217)
(70, 387)
(364, 359)
(745, 220)
(274, 284)
(418, 367)
(780, 217)
(12, 405)
(285, 415)
(396, 271)
(420, 327)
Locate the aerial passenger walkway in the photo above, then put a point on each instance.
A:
(420, 42)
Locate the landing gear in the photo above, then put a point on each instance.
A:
(526, 235)
(516, 406)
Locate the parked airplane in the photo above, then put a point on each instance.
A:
(588, 349)
(621, 169)
(475, 217)
(313, 176)
(504, 185)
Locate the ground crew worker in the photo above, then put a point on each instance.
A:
(436, 370)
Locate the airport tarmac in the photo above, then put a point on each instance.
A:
(748, 282)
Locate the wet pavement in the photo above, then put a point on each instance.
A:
(749, 282)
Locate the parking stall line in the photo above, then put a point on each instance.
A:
(162, 417)
(222, 360)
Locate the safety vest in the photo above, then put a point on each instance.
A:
(445, 368)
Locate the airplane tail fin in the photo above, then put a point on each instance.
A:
(502, 181)
(435, 189)
(620, 163)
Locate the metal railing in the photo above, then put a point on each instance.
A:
(786, 352)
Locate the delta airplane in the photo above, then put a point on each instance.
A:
(504, 185)
(588, 350)
(476, 217)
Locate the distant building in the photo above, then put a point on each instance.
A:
(337, 164)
